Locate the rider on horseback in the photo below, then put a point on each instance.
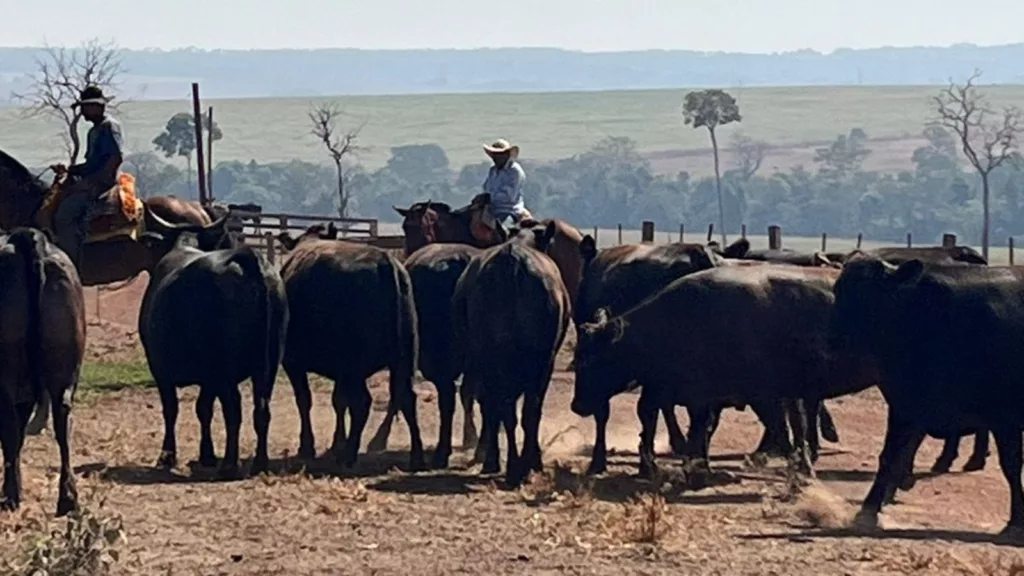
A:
(504, 184)
(92, 178)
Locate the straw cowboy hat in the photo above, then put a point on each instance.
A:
(92, 95)
(501, 146)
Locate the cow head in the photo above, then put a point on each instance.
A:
(314, 232)
(865, 316)
(538, 237)
(599, 373)
(423, 223)
(161, 236)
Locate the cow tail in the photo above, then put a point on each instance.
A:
(27, 243)
(405, 308)
(252, 267)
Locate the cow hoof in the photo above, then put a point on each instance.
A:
(866, 520)
(377, 444)
(208, 461)
(490, 468)
(974, 465)
(259, 466)
(942, 466)
(469, 439)
(648, 471)
(439, 461)
(167, 460)
(66, 506)
(1011, 534)
(596, 468)
(229, 472)
(9, 505)
(907, 483)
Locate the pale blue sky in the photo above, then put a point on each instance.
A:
(591, 25)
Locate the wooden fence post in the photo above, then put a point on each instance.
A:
(910, 243)
(595, 235)
(949, 240)
(774, 238)
(620, 234)
(271, 247)
(680, 232)
(824, 240)
(1011, 250)
(860, 238)
(711, 231)
(646, 231)
(743, 231)
(197, 119)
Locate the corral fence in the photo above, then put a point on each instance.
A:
(261, 229)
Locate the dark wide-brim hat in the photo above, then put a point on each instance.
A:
(92, 95)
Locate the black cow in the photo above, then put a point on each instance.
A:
(42, 345)
(434, 270)
(771, 319)
(214, 319)
(352, 315)
(948, 341)
(511, 311)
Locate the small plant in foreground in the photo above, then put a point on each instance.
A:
(87, 545)
(645, 518)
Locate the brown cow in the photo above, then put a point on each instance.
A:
(352, 314)
(42, 345)
(773, 319)
(511, 311)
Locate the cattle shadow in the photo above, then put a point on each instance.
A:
(906, 534)
(868, 476)
(324, 466)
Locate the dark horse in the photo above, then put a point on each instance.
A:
(123, 252)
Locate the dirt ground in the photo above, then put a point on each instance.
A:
(379, 519)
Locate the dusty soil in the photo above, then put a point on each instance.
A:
(379, 519)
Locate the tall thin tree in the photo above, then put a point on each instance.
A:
(711, 109)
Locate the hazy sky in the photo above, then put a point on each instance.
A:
(591, 25)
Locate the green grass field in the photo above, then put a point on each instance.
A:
(547, 126)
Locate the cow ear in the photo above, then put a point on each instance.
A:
(287, 241)
(737, 249)
(588, 248)
(908, 272)
(404, 212)
(545, 237)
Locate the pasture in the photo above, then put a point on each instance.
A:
(748, 517)
(548, 126)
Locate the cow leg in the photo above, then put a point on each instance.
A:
(379, 442)
(405, 397)
(489, 444)
(42, 414)
(1008, 442)
(828, 426)
(12, 435)
(446, 406)
(169, 403)
(647, 411)
(980, 454)
(231, 406)
(775, 440)
(359, 407)
(906, 463)
(812, 408)
(676, 438)
(703, 423)
(599, 458)
(204, 412)
(262, 392)
(466, 395)
(513, 473)
(899, 437)
(533, 406)
(304, 403)
(797, 413)
(67, 499)
(950, 450)
(340, 403)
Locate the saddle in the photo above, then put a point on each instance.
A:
(116, 212)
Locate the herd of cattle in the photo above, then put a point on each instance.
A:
(701, 326)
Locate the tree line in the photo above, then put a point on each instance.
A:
(612, 183)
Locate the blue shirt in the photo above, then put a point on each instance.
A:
(505, 187)
(103, 142)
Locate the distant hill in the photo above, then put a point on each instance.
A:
(158, 74)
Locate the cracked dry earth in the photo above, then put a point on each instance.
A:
(379, 519)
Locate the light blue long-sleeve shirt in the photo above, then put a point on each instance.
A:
(505, 187)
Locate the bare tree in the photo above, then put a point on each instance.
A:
(59, 78)
(987, 137)
(750, 154)
(324, 119)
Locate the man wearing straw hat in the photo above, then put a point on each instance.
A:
(104, 153)
(504, 184)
